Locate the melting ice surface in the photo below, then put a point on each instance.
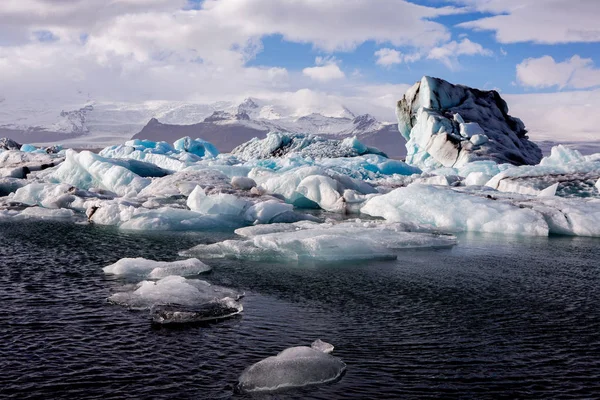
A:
(156, 269)
(293, 367)
(322, 242)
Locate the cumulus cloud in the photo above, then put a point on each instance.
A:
(387, 57)
(449, 52)
(165, 48)
(545, 72)
(539, 21)
(326, 69)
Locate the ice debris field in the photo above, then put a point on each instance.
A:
(470, 167)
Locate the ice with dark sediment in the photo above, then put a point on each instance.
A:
(451, 125)
(294, 367)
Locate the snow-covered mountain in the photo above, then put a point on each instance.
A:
(228, 124)
(229, 127)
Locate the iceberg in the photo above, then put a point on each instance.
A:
(574, 174)
(452, 211)
(156, 269)
(451, 125)
(87, 170)
(19, 164)
(293, 368)
(481, 210)
(287, 144)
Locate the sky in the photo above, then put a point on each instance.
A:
(543, 56)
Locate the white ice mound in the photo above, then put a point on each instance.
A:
(451, 125)
(156, 269)
(453, 211)
(486, 210)
(321, 242)
(173, 290)
(287, 144)
(292, 368)
(87, 170)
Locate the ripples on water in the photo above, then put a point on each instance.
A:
(495, 317)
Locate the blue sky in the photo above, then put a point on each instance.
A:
(495, 71)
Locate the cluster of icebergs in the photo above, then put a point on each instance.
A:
(470, 167)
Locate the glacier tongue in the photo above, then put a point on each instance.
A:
(451, 125)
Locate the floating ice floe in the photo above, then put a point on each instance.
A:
(451, 125)
(451, 210)
(177, 291)
(321, 242)
(293, 368)
(156, 269)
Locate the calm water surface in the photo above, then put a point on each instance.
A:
(494, 317)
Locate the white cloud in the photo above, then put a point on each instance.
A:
(449, 52)
(327, 69)
(540, 21)
(545, 72)
(161, 49)
(387, 57)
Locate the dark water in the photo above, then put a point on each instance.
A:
(495, 317)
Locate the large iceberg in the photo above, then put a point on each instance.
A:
(292, 368)
(451, 125)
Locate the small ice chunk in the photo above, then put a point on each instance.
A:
(470, 129)
(294, 367)
(266, 211)
(156, 269)
(598, 185)
(322, 346)
(477, 179)
(215, 204)
(242, 182)
(479, 139)
(324, 191)
(550, 191)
